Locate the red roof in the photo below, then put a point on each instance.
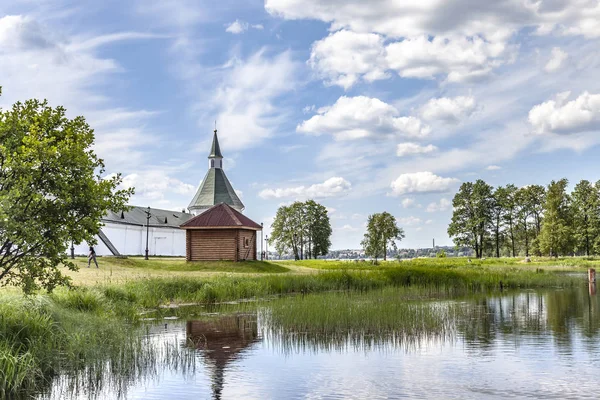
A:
(221, 215)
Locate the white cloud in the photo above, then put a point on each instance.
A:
(332, 187)
(493, 167)
(443, 205)
(406, 18)
(408, 202)
(566, 117)
(349, 228)
(343, 57)
(449, 109)
(360, 117)
(237, 27)
(37, 62)
(246, 97)
(153, 185)
(409, 148)
(556, 61)
(457, 59)
(409, 221)
(421, 182)
(429, 222)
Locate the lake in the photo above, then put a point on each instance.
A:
(379, 345)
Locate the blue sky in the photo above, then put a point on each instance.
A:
(386, 105)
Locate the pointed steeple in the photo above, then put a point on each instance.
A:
(215, 188)
(215, 150)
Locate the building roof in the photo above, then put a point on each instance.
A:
(215, 189)
(215, 149)
(221, 216)
(158, 218)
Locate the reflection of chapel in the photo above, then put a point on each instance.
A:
(126, 232)
(222, 341)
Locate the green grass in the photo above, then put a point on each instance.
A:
(564, 263)
(177, 264)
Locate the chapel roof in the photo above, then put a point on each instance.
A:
(214, 189)
(222, 215)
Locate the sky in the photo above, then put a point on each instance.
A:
(386, 105)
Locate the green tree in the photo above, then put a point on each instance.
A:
(382, 231)
(499, 199)
(586, 216)
(523, 214)
(318, 229)
(510, 215)
(472, 215)
(51, 193)
(556, 232)
(302, 226)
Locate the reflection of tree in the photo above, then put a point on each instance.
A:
(222, 340)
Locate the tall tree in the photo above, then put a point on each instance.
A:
(586, 216)
(318, 229)
(382, 231)
(472, 215)
(302, 227)
(523, 214)
(510, 215)
(556, 233)
(51, 193)
(499, 199)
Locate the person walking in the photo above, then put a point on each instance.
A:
(92, 256)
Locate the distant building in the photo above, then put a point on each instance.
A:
(126, 232)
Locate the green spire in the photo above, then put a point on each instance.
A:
(215, 150)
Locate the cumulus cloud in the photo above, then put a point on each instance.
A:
(237, 27)
(556, 61)
(406, 18)
(360, 117)
(421, 182)
(152, 185)
(408, 202)
(409, 221)
(566, 117)
(493, 167)
(443, 205)
(409, 148)
(344, 57)
(332, 187)
(449, 109)
(458, 59)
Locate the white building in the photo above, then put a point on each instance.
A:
(127, 232)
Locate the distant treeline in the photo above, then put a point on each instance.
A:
(531, 220)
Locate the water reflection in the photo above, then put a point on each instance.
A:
(221, 341)
(382, 345)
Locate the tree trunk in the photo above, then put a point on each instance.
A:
(384, 249)
(512, 238)
(526, 238)
(498, 237)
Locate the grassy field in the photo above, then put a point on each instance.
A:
(120, 270)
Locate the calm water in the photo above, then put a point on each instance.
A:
(519, 345)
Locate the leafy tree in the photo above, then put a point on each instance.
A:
(523, 213)
(556, 231)
(586, 216)
(51, 193)
(382, 231)
(499, 199)
(318, 229)
(300, 225)
(472, 215)
(510, 214)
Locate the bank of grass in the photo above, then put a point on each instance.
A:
(45, 335)
(181, 265)
(564, 264)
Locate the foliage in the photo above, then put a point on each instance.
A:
(441, 254)
(586, 216)
(472, 215)
(382, 231)
(556, 233)
(302, 228)
(51, 192)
